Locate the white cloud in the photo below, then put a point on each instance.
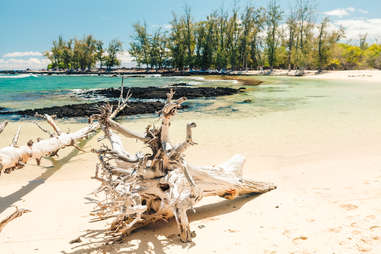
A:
(126, 59)
(355, 27)
(20, 62)
(363, 11)
(35, 63)
(23, 54)
(340, 12)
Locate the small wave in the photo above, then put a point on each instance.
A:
(275, 86)
(79, 91)
(19, 76)
(194, 83)
(222, 80)
(152, 75)
(197, 78)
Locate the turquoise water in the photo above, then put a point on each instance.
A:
(276, 94)
(33, 91)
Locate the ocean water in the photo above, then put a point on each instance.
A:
(25, 91)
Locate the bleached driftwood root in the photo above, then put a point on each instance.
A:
(139, 189)
(14, 215)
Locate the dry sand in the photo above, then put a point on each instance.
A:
(323, 156)
(351, 75)
(355, 75)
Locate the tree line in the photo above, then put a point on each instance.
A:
(75, 54)
(252, 38)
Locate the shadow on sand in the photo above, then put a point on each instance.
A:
(155, 238)
(7, 201)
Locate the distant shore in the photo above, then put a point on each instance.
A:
(363, 75)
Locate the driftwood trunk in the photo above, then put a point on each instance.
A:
(142, 188)
(14, 156)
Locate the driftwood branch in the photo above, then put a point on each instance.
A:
(147, 187)
(14, 215)
(43, 129)
(13, 156)
(3, 125)
(15, 139)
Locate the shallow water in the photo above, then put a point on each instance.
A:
(34, 91)
(275, 94)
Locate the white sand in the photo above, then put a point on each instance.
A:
(351, 75)
(324, 157)
(358, 75)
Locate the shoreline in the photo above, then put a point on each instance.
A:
(363, 75)
(137, 107)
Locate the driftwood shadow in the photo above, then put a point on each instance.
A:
(7, 201)
(155, 238)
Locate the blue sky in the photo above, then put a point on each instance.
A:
(29, 26)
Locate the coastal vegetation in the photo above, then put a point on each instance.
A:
(243, 38)
(82, 54)
(252, 38)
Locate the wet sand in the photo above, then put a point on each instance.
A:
(323, 154)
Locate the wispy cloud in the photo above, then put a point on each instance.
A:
(355, 27)
(36, 63)
(21, 61)
(340, 12)
(23, 54)
(126, 59)
(363, 11)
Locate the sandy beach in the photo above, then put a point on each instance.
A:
(348, 75)
(357, 75)
(323, 155)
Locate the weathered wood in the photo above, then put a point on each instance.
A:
(144, 188)
(13, 156)
(14, 215)
(3, 125)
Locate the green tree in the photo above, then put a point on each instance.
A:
(305, 11)
(115, 47)
(373, 56)
(177, 46)
(274, 16)
(99, 56)
(233, 32)
(140, 46)
(188, 36)
(292, 30)
(322, 45)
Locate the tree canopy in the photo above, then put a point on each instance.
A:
(249, 37)
(252, 37)
(83, 54)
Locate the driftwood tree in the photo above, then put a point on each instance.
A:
(139, 189)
